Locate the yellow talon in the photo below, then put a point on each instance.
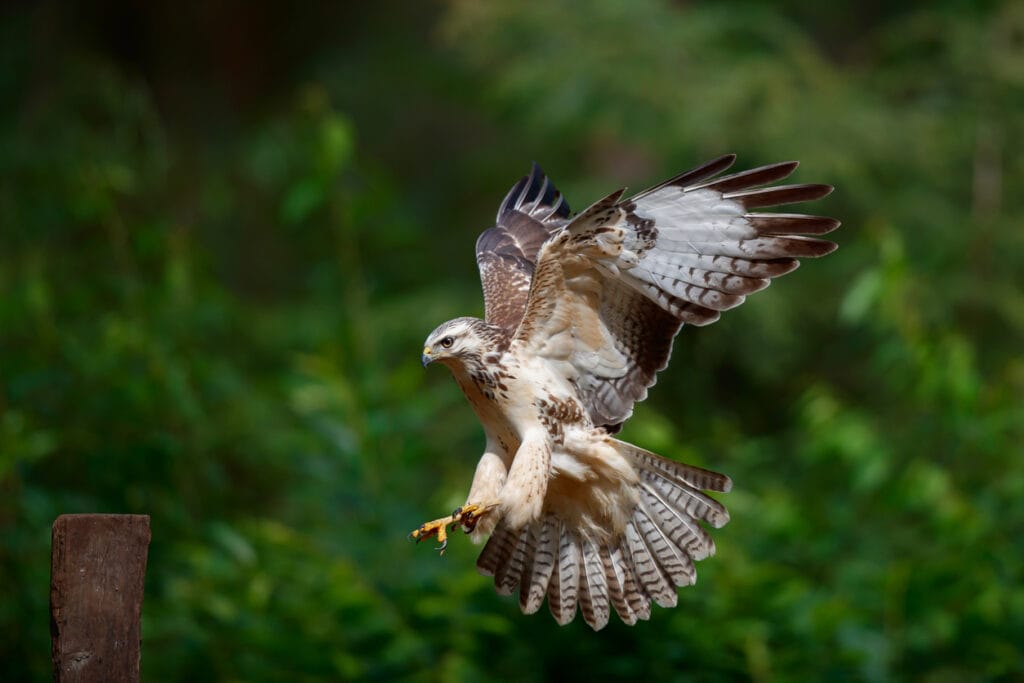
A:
(438, 527)
(467, 516)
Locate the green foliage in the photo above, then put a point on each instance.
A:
(215, 280)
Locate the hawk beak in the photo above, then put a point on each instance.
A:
(427, 358)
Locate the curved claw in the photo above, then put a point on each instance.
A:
(465, 516)
(439, 528)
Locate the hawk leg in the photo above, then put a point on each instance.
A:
(466, 516)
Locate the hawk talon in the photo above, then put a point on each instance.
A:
(438, 528)
(469, 515)
(465, 516)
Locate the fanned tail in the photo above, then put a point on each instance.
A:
(644, 562)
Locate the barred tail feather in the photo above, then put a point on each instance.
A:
(682, 530)
(535, 581)
(565, 581)
(630, 602)
(496, 552)
(650, 575)
(652, 556)
(674, 561)
(507, 576)
(593, 588)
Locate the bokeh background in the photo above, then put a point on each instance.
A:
(226, 228)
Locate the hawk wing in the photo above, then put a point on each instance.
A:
(613, 287)
(532, 210)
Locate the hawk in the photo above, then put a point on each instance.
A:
(580, 315)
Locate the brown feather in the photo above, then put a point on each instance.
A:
(593, 588)
(534, 585)
(783, 194)
(751, 178)
(496, 552)
(694, 175)
(656, 583)
(681, 529)
(698, 263)
(563, 591)
(622, 591)
(507, 575)
(677, 565)
(531, 211)
(790, 223)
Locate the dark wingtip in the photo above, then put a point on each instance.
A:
(535, 195)
(753, 177)
(713, 167)
(506, 203)
(694, 175)
(827, 248)
(791, 223)
(780, 194)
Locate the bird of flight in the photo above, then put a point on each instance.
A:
(580, 314)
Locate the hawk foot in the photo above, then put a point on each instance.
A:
(438, 527)
(469, 514)
(466, 516)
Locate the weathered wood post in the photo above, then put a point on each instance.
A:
(96, 582)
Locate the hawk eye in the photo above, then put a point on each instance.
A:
(447, 342)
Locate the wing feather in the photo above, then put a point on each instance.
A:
(755, 176)
(611, 288)
(695, 175)
(506, 253)
(782, 194)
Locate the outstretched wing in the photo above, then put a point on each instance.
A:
(532, 210)
(613, 287)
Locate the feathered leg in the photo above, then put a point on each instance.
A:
(491, 472)
(522, 496)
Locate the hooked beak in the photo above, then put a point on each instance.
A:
(427, 358)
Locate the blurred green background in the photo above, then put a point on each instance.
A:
(226, 228)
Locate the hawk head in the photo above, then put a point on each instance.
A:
(462, 340)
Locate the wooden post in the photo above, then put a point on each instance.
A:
(96, 582)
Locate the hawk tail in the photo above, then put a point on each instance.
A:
(645, 562)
